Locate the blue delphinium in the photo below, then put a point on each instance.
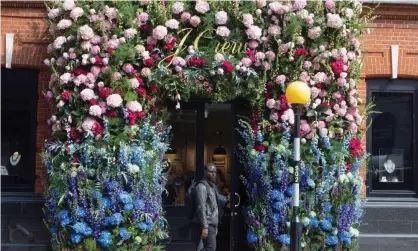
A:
(345, 237)
(75, 238)
(82, 228)
(251, 236)
(63, 217)
(128, 207)
(107, 202)
(125, 197)
(276, 217)
(326, 206)
(105, 239)
(139, 204)
(285, 239)
(276, 195)
(325, 225)
(331, 240)
(313, 222)
(289, 191)
(345, 217)
(115, 219)
(124, 233)
(97, 195)
(145, 226)
(81, 212)
(53, 230)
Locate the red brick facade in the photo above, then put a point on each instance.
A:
(396, 24)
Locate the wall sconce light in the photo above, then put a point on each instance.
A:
(170, 155)
(220, 153)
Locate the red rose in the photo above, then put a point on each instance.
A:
(170, 46)
(325, 103)
(284, 105)
(97, 128)
(168, 59)
(133, 72)
(140, 81)
(319, 85)
(337, 67)
(260, 148)
(148, 62)
(141, 91)
(105, 92)
(66, 95)
(196, 62)
(356, 148)
(110, 50)
(140, 114)
(99, 61)
(144, 27)
(269, 83)
(228, 66)
(131, 115)
(149, 47)
(153, 88)
(112, 114)
(164, 47)
(93, 102)
(250, 53)
(79, 71)
(155, 56)
(149, 98)
(348, 167)
(73, 133)
(301, 51)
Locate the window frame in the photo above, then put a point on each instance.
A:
(409, 86)
(32, 78)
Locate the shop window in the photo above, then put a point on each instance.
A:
(18, 129)
(392, 136)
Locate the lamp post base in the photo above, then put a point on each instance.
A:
(295, 237)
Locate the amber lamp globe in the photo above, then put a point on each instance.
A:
(298, 92)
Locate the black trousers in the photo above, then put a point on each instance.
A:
(209, 244)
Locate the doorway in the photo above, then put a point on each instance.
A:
(203, 133)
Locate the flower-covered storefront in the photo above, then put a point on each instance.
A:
(115, 64)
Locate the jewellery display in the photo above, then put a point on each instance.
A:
(389, 166)
(395, 180)
(4, 170)
(384, 179)
(15, 158)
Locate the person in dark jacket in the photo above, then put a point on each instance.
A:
(208, 201)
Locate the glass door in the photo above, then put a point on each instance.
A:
(182, 159)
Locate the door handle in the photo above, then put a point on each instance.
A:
(239, 200)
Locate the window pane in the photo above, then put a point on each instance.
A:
(182, 159)
(392, 148)
(18, 129)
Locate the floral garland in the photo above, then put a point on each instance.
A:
(115, 63)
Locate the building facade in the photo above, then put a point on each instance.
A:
(389, 79)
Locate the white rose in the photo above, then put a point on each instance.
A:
(133, 168)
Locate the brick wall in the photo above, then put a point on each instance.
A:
(396, 24)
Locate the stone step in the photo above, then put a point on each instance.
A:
(391, 242)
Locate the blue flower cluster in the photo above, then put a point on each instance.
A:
(251, 236)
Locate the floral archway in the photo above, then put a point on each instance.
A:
(115, 63)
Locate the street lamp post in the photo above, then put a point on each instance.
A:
(298, 94)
